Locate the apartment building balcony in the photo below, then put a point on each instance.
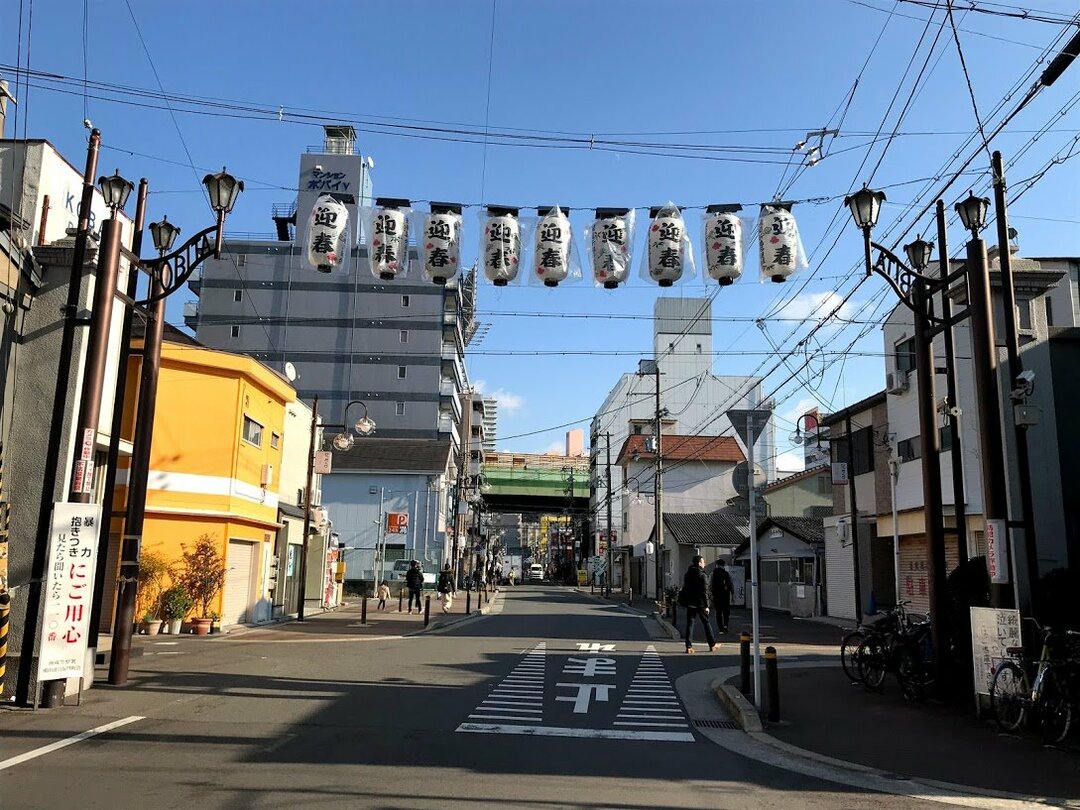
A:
(191, 314)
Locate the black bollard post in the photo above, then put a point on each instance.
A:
(772, 685)
(744, 662)
(468, 602)
(363, 610)
(427, 610)
(401, 599)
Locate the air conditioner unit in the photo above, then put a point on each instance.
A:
(896, 382)
(266, 475)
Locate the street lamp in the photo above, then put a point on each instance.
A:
(973, 212)
(115, 190)
(865, 205)
(223, 189)
(164, 234)
(919, 253)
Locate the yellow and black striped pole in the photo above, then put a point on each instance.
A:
(5, 612)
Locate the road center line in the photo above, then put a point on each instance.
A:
(56, 746)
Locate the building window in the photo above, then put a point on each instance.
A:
(909, 449)
(1023, 313)
(252, 431)
(824, 483)
(402, 371)
(905, 355)
(638, 429)
(399, 408)
(238, 295)
(275, 440)
(1049, 310)
(863, 447)
(403, 335)
(699, 348)
(241, 260)
(404, 300)
(234, 331)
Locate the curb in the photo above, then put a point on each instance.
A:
(667, 627)
(742, 710)
(479, 613)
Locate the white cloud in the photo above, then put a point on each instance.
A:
(816, 306)
(509, 402)
(789, 463)
(479, 386)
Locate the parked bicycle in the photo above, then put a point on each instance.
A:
(872, 640)
(1054, 698)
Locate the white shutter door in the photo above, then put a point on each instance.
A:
(238, 582)
(839, 578)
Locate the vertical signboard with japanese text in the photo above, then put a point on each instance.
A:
(68, 589)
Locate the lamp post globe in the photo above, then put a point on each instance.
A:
(485, 487)
(223, 189)
(116, 190)
(164, 234)
(919, 253)
(343, 442)
(365, 425)
(865, 206)
(973, 212)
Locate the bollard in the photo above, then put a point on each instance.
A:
(427, 610)
(772, 685)
(468, 602)
(5, 612)
(744, 662)
(363, 610)
(629, 596)
(401, 599)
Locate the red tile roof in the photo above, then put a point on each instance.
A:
(685, 448)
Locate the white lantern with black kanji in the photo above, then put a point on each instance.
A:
(388, 250)
(440, 242)
(668, 245)
(328, 227)
(723, 243)
(781, 251)
(551, 257)
(501, 245)
(612, 241)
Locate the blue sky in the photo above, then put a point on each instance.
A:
(740, 74)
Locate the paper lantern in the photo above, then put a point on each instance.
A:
(668, 245)
(501, 247)
(328, 227)
(779, 242)
(612, 239)
(388, 251)
(723, 244)
(551, 257)
(440, 249)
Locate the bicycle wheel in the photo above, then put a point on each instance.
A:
(1009, 696)
(911, 674)
(848, 649)
(1055, 708)
(873, 661)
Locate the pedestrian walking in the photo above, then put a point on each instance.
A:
(511, 576)
(445, 587)
(694, 596)
(722, 589)
(383, 593)
(414, 581)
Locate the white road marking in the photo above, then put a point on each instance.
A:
(522, 702)
(595, 648)
(585, 692)
(584, 733)
(56, 746)
(652, 725)
(497, 717)
(514, 709)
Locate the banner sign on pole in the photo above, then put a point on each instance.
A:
(68, 589)
(996, 557)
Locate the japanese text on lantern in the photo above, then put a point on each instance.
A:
(69, 589)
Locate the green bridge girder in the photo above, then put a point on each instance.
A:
(534, 483)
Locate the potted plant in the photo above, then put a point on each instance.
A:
(202, 575)
(150, 624)
(215, 622)
(175, 604)
(153, 571)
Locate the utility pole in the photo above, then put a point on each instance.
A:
(755, 610)
(610, 553)
(854, 510)
(658, 486)
(1027, 602)
(307, 508)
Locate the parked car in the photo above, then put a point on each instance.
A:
(401, 567)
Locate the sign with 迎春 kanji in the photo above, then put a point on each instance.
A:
(68, 589)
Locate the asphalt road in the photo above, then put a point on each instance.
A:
(556, 701)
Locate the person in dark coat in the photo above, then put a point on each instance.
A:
(414, 581)
(722, 589)
(694, 596)
(445, 587)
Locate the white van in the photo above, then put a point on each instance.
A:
(536, 573)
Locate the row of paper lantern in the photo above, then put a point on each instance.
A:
(551, 254)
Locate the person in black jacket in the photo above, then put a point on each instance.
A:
(414, 581)
(722, 588)
(445, 587)
(694, 596)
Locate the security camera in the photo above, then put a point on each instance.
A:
(1023, 385)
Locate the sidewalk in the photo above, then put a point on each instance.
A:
(822, 712)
